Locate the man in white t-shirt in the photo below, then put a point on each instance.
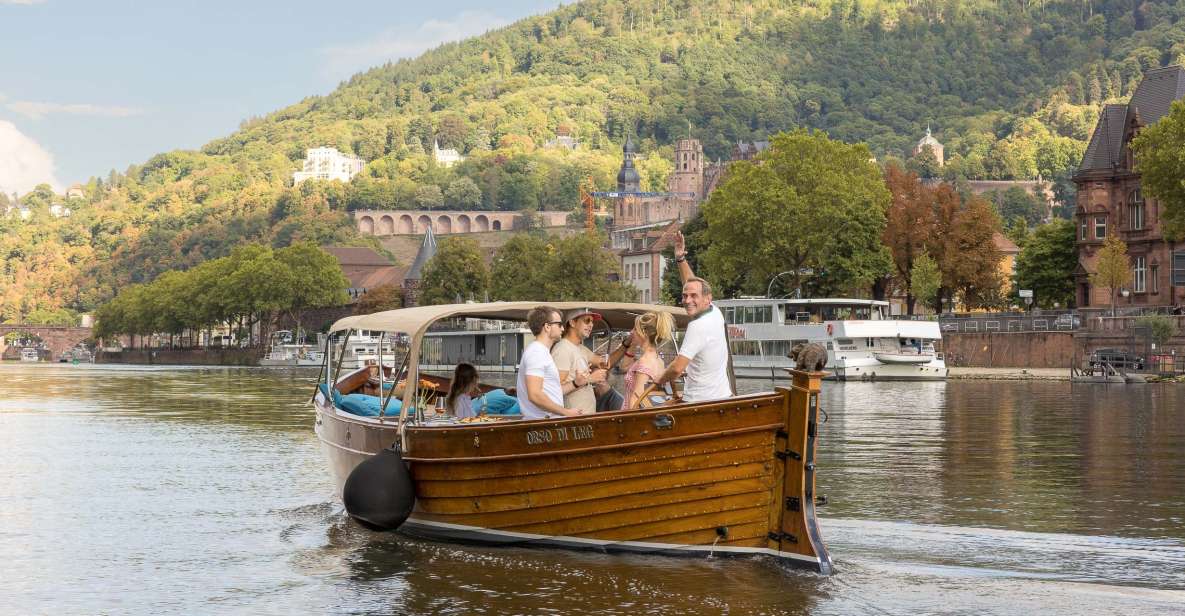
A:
(539, 392)
(703, 356)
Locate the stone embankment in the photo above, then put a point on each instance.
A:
(1010, 374)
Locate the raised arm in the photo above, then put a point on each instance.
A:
(685, 272)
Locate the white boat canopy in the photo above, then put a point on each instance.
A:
(415, 321)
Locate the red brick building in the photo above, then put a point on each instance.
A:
(1110, 200)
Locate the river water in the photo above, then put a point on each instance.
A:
(188, 491)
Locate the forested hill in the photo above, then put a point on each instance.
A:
(1012, 89)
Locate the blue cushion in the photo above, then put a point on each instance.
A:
(367, 406)
(497, 402)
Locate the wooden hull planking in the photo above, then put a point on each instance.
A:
(727, 477)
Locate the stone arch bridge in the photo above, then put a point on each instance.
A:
(58, 338)
(443, 222)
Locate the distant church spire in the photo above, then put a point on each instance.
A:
(628, 179)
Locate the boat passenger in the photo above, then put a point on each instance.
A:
(579, 367)
(461, 391)
(651, 330)
(585, 374)
(703, 356)
(539, 392)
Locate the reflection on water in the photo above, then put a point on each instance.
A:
(203, 490)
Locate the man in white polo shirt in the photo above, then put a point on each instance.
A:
(539, 392)
(703, 355)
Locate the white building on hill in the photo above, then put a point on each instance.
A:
(445, 158)
(328, 164)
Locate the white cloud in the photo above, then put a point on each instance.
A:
(393, 44)
(22, 2)
(23, 162)
(36, 111)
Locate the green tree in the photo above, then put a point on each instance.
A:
(429, 197)
(1016, 203)
(925, 163)
(517, 268)
(315, 277)
(781, 214)
(1161, 166)
(925, 279)
(45, 316)
(1046, 264)
(463, 194)
(1112, 269)
(654, 170)
(457, 271)
(581, 268)
(1161, 328)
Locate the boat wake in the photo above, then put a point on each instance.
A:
(983, 561)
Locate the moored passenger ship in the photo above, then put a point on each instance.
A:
(733, 476)
(862, 340)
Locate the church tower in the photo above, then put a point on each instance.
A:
(628, 179)
(688, 176)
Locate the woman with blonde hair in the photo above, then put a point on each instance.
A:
(651, 330)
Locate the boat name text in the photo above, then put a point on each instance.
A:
(559, 435)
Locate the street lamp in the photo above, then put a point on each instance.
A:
(770, 286)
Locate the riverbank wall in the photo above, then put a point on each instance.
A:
(181, 357)
(1009, 349)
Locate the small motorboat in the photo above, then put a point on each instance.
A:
(902, 357)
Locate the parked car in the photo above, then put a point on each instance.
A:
(1117, 358)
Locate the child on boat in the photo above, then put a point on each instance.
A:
(462, 390)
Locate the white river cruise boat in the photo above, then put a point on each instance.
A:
(862, 340)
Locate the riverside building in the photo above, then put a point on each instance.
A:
(1110, 201)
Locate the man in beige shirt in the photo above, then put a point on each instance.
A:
(582, 372)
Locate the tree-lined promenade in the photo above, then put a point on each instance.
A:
(251, 285)
(815, 214)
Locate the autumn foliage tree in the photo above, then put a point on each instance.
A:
(910, 223)
(934, 220)
(1112, 269)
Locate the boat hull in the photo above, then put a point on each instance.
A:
(729, 477)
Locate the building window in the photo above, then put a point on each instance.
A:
(1082, 230)
(1155, 281)
(1140, 273)
(1100, 227)
(1135, 210)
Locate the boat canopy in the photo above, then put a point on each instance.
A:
(415, 321)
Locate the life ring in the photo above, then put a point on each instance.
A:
(829, 328)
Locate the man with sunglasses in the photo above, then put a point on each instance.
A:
(540, 394)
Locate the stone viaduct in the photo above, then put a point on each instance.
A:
(58, 338)
(409, 222)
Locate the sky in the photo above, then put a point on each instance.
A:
(87, 86)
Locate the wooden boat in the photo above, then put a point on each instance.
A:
(725, 477)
